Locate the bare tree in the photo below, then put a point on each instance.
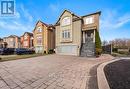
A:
(104, 43)
(120, 43)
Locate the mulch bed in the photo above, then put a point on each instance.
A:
(118, 74)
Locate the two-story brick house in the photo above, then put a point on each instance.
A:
(12, 41)
(75, 35)
(44, 37)
(2, 43)
(27, 40)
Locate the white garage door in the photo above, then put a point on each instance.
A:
(39, 49)
(67, 49)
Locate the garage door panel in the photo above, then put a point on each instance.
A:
(67, 49)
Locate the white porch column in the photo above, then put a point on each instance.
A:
(83, 37)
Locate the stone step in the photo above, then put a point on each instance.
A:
(88, 49)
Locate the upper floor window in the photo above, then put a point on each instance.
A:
(66, 21)
(26, 36)
(89, 20)
(39, 40)
(66, 34)
(11, 39)
(25, 43)
(39, 29)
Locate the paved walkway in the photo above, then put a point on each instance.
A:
(48, 72)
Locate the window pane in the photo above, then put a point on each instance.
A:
(62, 34)
(66, 21)
(89, 20)
(39, 40)
(39, 29)
(68, 34)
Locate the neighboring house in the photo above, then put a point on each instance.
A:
(27, 40)
(1, 43)
(44, 37)
(75, 35)
(12, 41)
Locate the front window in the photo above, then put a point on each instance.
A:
(66, 34)
(39, 40)
(66, 21)
(11, 39)
(89, 20)
(25, 37)
(12, 43)
(39, 29)
(25, 43)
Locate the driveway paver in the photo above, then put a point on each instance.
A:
(48, 72)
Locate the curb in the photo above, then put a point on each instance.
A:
(101, 78)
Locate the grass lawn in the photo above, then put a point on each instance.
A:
(16, 57)
(120, 55)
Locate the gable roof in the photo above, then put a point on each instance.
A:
(68, 12)
(12, 36)
(42, 23)
(39, 21)
(98, 12)
(30, 34)
(78, 17)
(47, 25)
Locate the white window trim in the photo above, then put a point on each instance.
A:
(66, 21)
(65, 34)
(37, 38)
(26, 36)
(89, 20)
(39, 29)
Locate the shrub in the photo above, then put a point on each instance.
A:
(98, 47)
(50, 51)
(98, 51)
(116, 54)
(115, 50)
(123, 52)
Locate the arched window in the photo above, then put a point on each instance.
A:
(39, 29)
(25, 36)
(66, 21)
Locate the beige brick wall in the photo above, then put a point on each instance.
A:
(77, 34)
(66, 14)
(36, 34)
(75, 31)
(48, 37)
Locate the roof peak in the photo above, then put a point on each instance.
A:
(98, 12)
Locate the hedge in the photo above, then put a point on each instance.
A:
(98, 47)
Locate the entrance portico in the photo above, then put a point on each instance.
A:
(88, 35)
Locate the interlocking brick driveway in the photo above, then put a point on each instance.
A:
(47, 72)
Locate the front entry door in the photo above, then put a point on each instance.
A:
(89, 36)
